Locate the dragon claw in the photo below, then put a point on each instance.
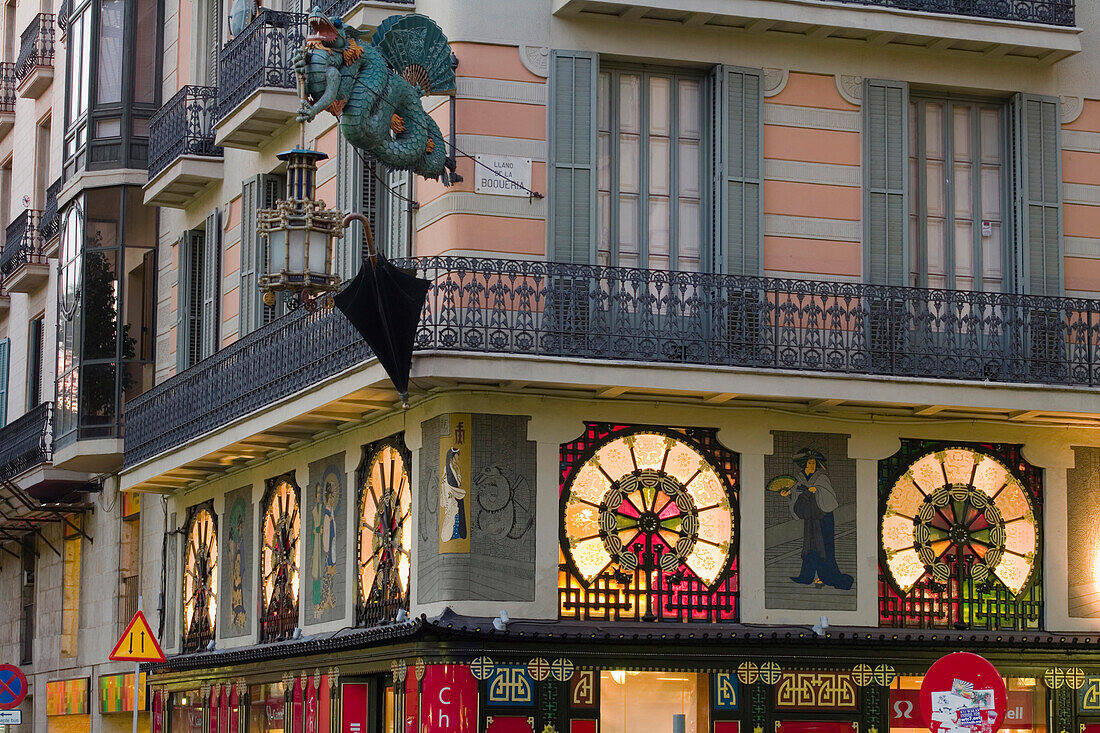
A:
(397, 124)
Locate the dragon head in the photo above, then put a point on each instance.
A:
(330, 33)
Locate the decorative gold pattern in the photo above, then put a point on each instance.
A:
(862, 674)
(770, 672)
(1090, 697)
(816, 690)
(884, 675)
(748, 672)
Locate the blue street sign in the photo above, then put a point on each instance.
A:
(11, 717)
(13, 686)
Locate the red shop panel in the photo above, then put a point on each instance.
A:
(583, 726)
(815, 726)
(726, 726)
(509, 724)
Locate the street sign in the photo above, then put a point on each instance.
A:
(963, 693)
(137, 644)
(13, 686)
(11, 717)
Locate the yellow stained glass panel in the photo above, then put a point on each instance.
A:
(906, 568)
(615, 457)
(897, 533)
(958, 464)
(649, 450)
(927, 472)
(716, 525)
(1013, 571)
(590, 557)
(990, 475)
(905, 498)
(707, 490)
(1012, 501)
(590, 484)
(581, 520)
(682, 463)
(1020, 536)
(706, 561)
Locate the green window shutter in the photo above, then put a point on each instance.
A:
(738, 171)
(183, 304)
(1037, 186)
(572, 185)
(395, 217)
(211, 284)
(349, 199)
(270, 190)
(5, 357)
(885, 188)
(249, 300)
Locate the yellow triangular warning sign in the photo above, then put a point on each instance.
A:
(137, 643)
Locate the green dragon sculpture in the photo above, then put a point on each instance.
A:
(375, 88)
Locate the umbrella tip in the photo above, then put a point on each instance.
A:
(404, 399)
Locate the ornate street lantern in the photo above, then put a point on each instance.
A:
(298, 235)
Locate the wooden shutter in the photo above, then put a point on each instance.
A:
(190, 244)
(572, 184)
(396, 220)
(349, 183)
(5, 357)
(885, 172)
(1037, 191)
(211, 284)
(214, 19)
(738, 170)
(270, 190)
(258, 192)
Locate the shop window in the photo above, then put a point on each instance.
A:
(648, 525)
(960, 537)
(1026, 711)
(280, 558)
(200, 577)
(185, 713)
(385, 532)
(267, 705)
(661, 702)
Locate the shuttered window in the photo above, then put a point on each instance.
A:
(885, 164)
(214, 15)
(5, 351)
(36, 359)
(258, 192)
(211, 285)
(396, 213)
(572, 156)
(197, 324)
(738, 169)
(1037, 176)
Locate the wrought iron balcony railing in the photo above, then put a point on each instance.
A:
(1046, 12)
(22, 243)
(26, 441)
(184, 126)
(7, 87)
(591, 312)
(341, 7)
(35, 46)
(51, 218)
(259, 57)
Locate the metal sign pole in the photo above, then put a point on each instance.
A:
(137, 676)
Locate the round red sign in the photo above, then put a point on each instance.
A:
(963, 693)
(13, 686)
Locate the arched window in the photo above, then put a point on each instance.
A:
(385, 531)
(200, 577)
(280, 558)
(648, 525)
(960, 537)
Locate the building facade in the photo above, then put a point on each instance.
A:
(776, 384)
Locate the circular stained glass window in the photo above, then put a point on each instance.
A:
(651, 501)
(200, 575)
(959, 514)
(385, 534)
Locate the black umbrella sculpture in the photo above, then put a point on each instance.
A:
(384, 302)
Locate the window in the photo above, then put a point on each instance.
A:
(200, 577)
(956, 164)
(5, 357)
(41, 163)
(633, 151)
(941, 174)
(648, 518)
(26, 631)
(650, 172)
(259, 192)
(361, 186)
(36, 357)
(385, 532)
(280, 558)
(960, 537)
(197, 325)
(129, 558)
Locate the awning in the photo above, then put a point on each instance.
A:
(22, 514)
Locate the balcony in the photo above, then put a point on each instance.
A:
(7, 97)
(34, 67)
(1041, 30)
(258, 94)
(183, 159)
(599, 315)
(366, 13)
(23, 260)
(25, 442)
(50, 223)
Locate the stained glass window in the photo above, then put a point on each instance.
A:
(385, 533)
(280, 558)
(200, 577)
(648, 525)
(960, 537)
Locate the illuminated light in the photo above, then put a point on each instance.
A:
(906, 498)
(906, 568)
(927, 473)
(990, 475)
(619, 676)
(958, 464)
(385, 537)
(1012, 501)
(591, 483)
(650, 450)
(200, 580)
(897, 533)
